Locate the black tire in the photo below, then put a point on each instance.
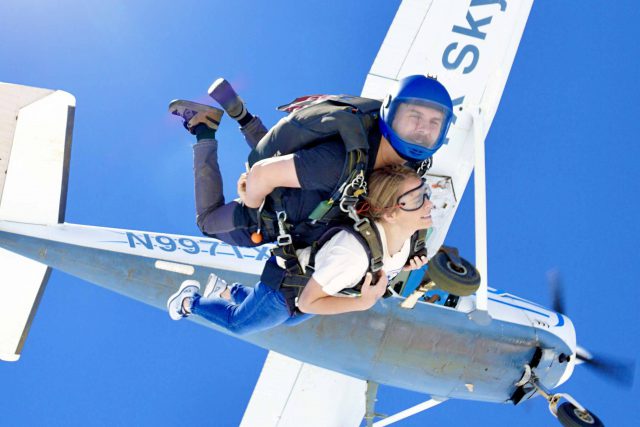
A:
(570, 416)
(461, 282)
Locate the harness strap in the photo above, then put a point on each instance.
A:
(290, 278)
(418, 244)
(418, 248)
(373, 241)
(355, 165)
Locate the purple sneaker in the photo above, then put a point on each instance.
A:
(224, 94)
(194, 114)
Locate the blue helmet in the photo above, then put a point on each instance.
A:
(415, 117)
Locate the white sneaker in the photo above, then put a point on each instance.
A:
(215, 287)
(188, 289)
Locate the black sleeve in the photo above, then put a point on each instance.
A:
(319, 167)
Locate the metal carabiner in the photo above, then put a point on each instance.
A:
(425, 166)
(284, 238)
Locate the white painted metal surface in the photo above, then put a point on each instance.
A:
(172, 248)
(290, 393)
(12, 98)
(20, 289)
(34, 181)
(35, 126)
(480, 194)
(409, 412)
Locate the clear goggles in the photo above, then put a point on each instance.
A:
(414, 199)
(418, 123)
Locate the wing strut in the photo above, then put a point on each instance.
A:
(409, 412)
(481, 314)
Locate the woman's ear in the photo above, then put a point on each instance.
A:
(390, 216)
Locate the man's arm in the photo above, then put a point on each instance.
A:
(314, 300)
(317, 168)
(268, 174)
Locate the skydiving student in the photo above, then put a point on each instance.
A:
(411, 127)
(398, 205)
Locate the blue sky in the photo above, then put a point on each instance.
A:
(562, 180)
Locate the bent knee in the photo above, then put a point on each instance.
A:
(201, 223)
(239, 329)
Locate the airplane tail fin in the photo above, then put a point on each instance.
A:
(35, 145)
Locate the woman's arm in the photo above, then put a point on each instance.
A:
(314, 300)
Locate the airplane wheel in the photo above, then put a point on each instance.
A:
(457, 281)
(570, 416)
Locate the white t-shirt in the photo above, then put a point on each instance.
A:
(342, 262)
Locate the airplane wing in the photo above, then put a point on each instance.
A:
(289, 391)
(470, 46)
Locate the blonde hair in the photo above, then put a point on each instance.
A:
(384, 189)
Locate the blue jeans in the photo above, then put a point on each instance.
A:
(253, 310)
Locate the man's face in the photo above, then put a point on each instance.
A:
(418, 124)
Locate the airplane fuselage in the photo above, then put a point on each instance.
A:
(430, 349)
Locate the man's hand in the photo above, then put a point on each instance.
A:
(371, 293)
(268, 174)
(416, 263)
(242, 187)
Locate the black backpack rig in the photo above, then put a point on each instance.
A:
(310, 119)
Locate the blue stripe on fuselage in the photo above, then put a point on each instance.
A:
(507, 295)
(520, 307)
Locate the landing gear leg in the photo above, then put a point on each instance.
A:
(570, 413)
(370, 405)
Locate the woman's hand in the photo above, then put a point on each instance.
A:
(371, 293)
(416, 263)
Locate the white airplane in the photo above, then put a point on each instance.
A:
(492, 346)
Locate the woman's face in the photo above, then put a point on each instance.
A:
(413, 209)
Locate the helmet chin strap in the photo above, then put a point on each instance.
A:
(387, 155)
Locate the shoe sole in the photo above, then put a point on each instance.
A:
(174, 296)
(225, 95)
(200, 108)
(221, 84)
